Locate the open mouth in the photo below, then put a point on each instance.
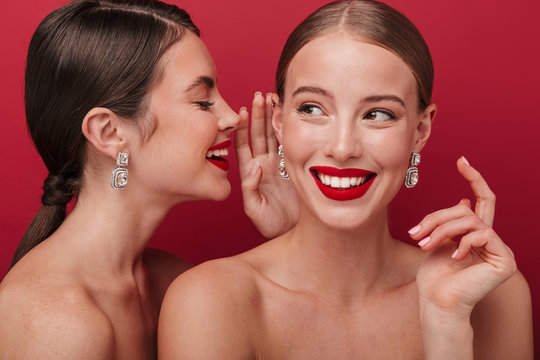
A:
(215, 155)
(342, 184)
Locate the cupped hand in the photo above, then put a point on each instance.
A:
(466, 259)
(269, 200)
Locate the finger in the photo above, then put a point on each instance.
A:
(452, 229)
(241, 143)
(485, 198)
(431, 221)
(250, 185)
(258, 130)
(490, 248)
(270, 136)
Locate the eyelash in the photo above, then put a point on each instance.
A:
(204, 105)
(390, 115)
(303, 109)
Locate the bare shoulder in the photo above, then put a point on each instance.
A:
(163, 267)
(206, 312)
(502, 322)
(41, 317)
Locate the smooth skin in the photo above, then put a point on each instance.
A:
(93, 290)
(338, 286)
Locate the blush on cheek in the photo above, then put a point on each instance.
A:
(300, 141)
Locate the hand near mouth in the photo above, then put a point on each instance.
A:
(269, 200)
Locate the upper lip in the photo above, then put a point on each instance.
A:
(348, 172)
(221, 145)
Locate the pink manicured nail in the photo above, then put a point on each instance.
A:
(258, 93)
(424, 242)
(415, 230)
(254, 168)
(465, 160)
(454, 255)
(243, 108)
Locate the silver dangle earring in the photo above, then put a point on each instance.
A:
(411, 179)
(120, 174)
(282, 170)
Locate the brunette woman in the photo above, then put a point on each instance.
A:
(353, 111)
(123, 107)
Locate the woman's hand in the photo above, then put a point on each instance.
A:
(269, 200)
(466, 261)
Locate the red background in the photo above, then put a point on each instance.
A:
(486, 57)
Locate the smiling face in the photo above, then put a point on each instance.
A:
(184, 159)
(348, 122)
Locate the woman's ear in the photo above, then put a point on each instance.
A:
(423, 128)
(276, 117)
(105, 131)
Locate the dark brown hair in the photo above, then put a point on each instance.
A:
(373, 22)
(86, 54)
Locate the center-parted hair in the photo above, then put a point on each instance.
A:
(86, 54)
(370, 21)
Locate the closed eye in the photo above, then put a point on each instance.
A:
(310, 109)
(204, 105)
(379, 115)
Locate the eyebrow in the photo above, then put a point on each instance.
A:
(371, 99)
(312, 89)
(377, 98)
(202, 80)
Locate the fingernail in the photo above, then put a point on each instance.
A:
(258, 93)
(269, 94)
(415, 230)
(254, 168)
(465, 160)
(454, 255)
(243, 108)
(424, 242)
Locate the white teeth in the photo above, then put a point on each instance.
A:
(345, 183)
(217, 152)
(341, 182)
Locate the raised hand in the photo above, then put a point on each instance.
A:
(269, 200)
(467, 259)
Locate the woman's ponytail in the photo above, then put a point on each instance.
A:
(57, 193)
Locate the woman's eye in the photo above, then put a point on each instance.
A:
(378, 115)
(204, 105)
(310, 110)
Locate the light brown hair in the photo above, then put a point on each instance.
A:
(373, 22)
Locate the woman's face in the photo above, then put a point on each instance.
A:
(348, 124)
(185, 158)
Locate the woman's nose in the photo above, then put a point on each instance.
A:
(344, 142)
(227, 118)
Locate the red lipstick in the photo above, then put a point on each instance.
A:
(351, 193)
(219, 161)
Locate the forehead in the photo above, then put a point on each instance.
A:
(185, 61)
(341, 63)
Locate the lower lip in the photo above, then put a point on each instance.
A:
(343, 194)
(222, 164)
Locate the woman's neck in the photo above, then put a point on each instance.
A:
(112, 230)
(342, 264)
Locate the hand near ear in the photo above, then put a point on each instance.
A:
(269, 200)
